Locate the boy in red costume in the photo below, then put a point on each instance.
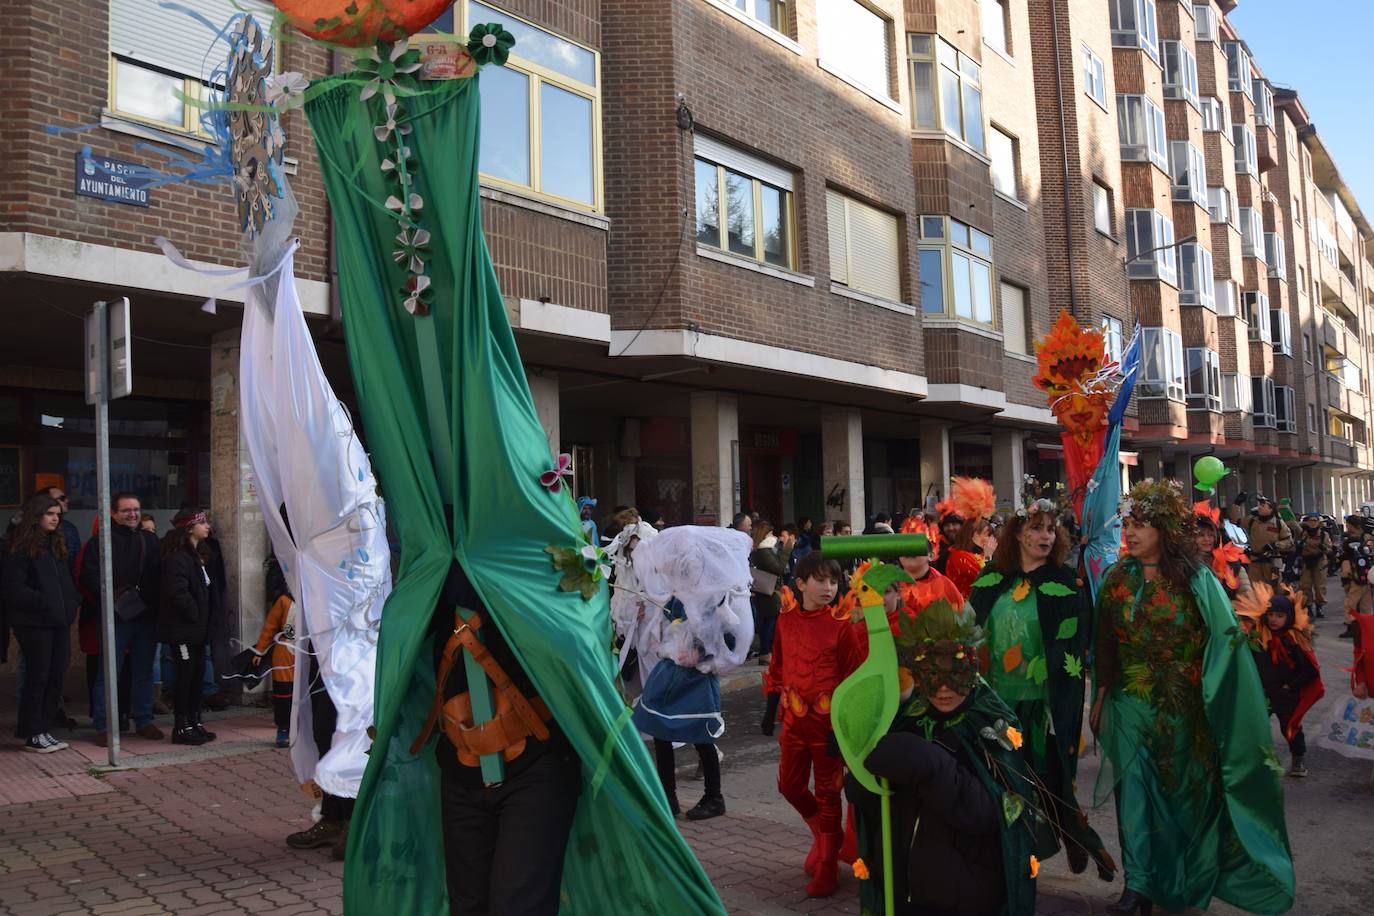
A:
(815, 647)
(930, 585)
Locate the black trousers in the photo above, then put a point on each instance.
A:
(188, 661)
(504, 845)
(323, 719)
(666, 764)
(45, 664)
(281, 712)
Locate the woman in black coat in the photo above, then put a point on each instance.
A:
(41, 603)
(183, 621)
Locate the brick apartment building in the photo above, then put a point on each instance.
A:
(789, 255)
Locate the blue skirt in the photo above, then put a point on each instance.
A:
(680, 704)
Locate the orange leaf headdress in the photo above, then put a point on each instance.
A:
(973, 498)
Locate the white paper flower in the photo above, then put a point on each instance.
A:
(286, 90)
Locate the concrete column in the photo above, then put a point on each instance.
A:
(842, 464)
(934, 461)
(1183, 471)
(715, 457)
(1325, 491)
(544, 388)
(1008, 466)
(238, 523)
(1152, 463)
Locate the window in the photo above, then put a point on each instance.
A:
(946, 90)
(744, 204)
(1102, 208)
(865, 247)
(1311, 418)
(1307, 349)
(1180, 73)
(1281, 331)
(1238, 68)
(1275, 255)
(1221, 206)
(1213, 114)
(1338, 427)
(854, 43)
(158, 59)
(1234, 395)
(1228, 298)
(1302, 280)
(1140, 124)
(1256, 305)
(1251, 233)
(541, 113)
(1015, 319)
(1189, 171)
(1247, 158)
(1285, 410)
(1134, 25)
(1206, 22)
(1005, 162)
(1195, 283)
(1204, 378)
(1161, 364)
(1263, 397)
(1149, 246)
(1264, 103)
(1094, 77)
(772, 13)
(1112, 344)
(956, 270)
(995, 30)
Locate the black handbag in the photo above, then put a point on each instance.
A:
(128, 604)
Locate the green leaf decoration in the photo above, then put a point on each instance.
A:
(987, 579)
(1056, 589)
(490, 43)
(578, 575)
(1012, 807)
(1068, 628)
(1073, 666)
(1037, 670)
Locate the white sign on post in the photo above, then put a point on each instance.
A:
(121, 360)
(92, 356)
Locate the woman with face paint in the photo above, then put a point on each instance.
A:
(1184, 726)
(1038, 627)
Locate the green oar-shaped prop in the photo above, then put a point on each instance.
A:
(865, 703)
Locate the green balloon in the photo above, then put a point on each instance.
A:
(1207, 471)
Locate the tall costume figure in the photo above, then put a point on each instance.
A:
(492, 546)
(1184, 726)
(1038, 625)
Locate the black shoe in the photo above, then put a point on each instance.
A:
(1349, 631)
(1131, 902)
(187, 735)
(673, 806)
(324, 833)
(709, 806)
(199, 729)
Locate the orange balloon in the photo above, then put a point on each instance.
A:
(370, 21)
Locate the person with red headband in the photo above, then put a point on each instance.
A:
(184, 620)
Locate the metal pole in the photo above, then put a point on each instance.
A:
(102, 478)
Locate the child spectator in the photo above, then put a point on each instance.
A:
(1282, 642)
(814, 649)
(279, 633)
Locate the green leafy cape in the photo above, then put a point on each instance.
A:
(625, 855)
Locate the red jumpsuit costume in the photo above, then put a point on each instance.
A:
(918, 595)
(812, 653)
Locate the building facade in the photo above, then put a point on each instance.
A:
(781, 255)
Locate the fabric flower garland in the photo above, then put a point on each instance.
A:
(584, 570)
(552, 479)
(490, 43)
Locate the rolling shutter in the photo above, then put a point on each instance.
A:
(864, 247)
(170, 40)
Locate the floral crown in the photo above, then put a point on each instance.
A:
(938, 647)
(1160, 504)
(1038, 498)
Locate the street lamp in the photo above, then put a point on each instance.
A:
(1186, 240)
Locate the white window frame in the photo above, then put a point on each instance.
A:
(1228, 300)
(1213, 114)
(1147, 230)
(1188, 172)
(1263, 398)
(1013, 145)
(1264, 103)
(1016, 333)
(1238, 75)
(1206, 19)
(928, 72)
(1276, 255)
(1196, 285)
(1307, 350)
(1221, 203)
(1161, 365)
(1094, 76)
(961, 247)
(1003, 23)
(1135, 24)
(1234, 395)
(837, 38)
(1180, 72)
(1281, 331)
(1208, 364)
(1247, 151)
(1285, 409)
(1255, 311)
(1113, 344)
(1251, 233)
(727, 159)
(1103, 220)
(1141, 130)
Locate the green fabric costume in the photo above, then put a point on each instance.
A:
(1002, 771)
(624, 854)
(1049, 631)
(1187, 748)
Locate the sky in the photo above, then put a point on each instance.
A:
(1322, 49)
